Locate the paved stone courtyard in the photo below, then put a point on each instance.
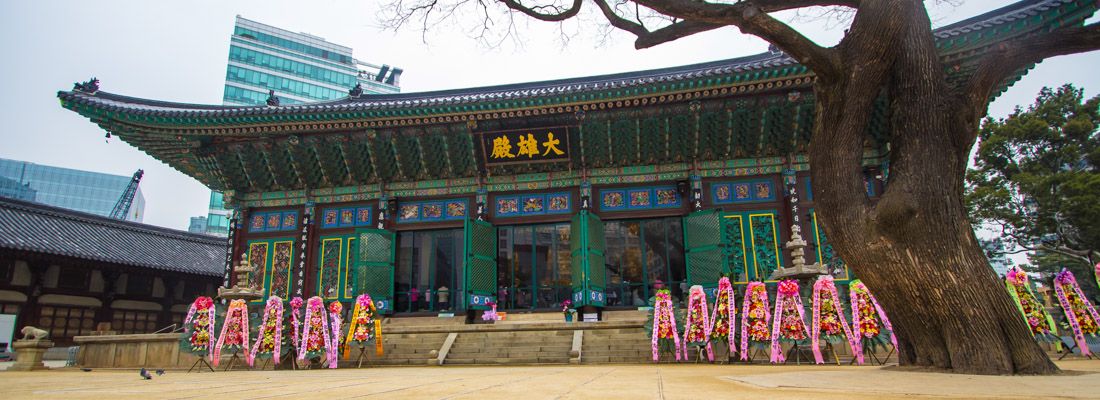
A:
(664, 381)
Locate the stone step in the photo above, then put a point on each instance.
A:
(508, 360)
(467, 349)
(522, 340)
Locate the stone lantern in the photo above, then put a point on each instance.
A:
(243, 289)
(798, 269)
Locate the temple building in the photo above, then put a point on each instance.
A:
(595, 189)
(75, 274)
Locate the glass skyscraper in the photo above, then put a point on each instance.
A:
(84, 191)
(300, 68)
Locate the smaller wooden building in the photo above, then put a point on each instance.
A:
(73, 273)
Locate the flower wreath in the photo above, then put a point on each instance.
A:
(1040, 322)
(269, 339)
(364, 327)
(664, 333)
(828, 319)
(234, 331)
(1081, 315)
(754, 318)
(198, 336)
(789, 325)
(697, 331)
(315, 330)
(866, 314)
(724, 313)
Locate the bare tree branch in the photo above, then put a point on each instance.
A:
(556, 13)
(647, 38)
(752, 18)
(1014, 55)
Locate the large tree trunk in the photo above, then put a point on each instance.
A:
(915, 247)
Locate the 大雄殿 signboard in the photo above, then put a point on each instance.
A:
(526, 146)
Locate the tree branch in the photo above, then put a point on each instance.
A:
(647, 38)
(557, 15)
(1011, 56)
(753, 19)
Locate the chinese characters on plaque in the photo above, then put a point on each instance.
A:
(526, 146)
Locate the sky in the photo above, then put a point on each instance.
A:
(177, 51)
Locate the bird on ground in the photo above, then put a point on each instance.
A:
(160, 372)
(145, 374)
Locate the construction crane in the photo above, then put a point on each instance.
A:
(122, 206)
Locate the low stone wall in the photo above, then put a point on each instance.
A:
(155, 350)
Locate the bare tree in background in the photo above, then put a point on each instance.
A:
(914, 246)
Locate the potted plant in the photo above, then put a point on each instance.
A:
(565, 309)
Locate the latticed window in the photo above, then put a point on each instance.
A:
(128, 322)
(65, 322)
(9, 308)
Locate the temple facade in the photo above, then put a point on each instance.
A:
(595, 190)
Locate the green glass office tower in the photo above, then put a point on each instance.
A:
(300, 68)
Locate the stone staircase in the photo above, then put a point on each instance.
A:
(402, 349)
(624, 345)
(511, 347)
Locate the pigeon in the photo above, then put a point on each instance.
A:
(160, 372)
(86, 369)
(145, 374)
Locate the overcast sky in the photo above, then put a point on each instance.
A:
(178, 50)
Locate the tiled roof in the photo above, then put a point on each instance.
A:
(40, 228)
(137, 106)
(1007, 14)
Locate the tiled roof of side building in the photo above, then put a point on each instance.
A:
(39, 228)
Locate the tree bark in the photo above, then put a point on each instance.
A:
(915, 247)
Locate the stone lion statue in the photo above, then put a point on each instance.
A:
(32, 333)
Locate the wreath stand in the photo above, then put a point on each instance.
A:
(362, 355)
(291, 358)
(832, 350)
(699, 353)
(1067, 348)
(233, 360)
(201, 360)
(798, 352)
(729, 354)
(753, 352)
(868, 353)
